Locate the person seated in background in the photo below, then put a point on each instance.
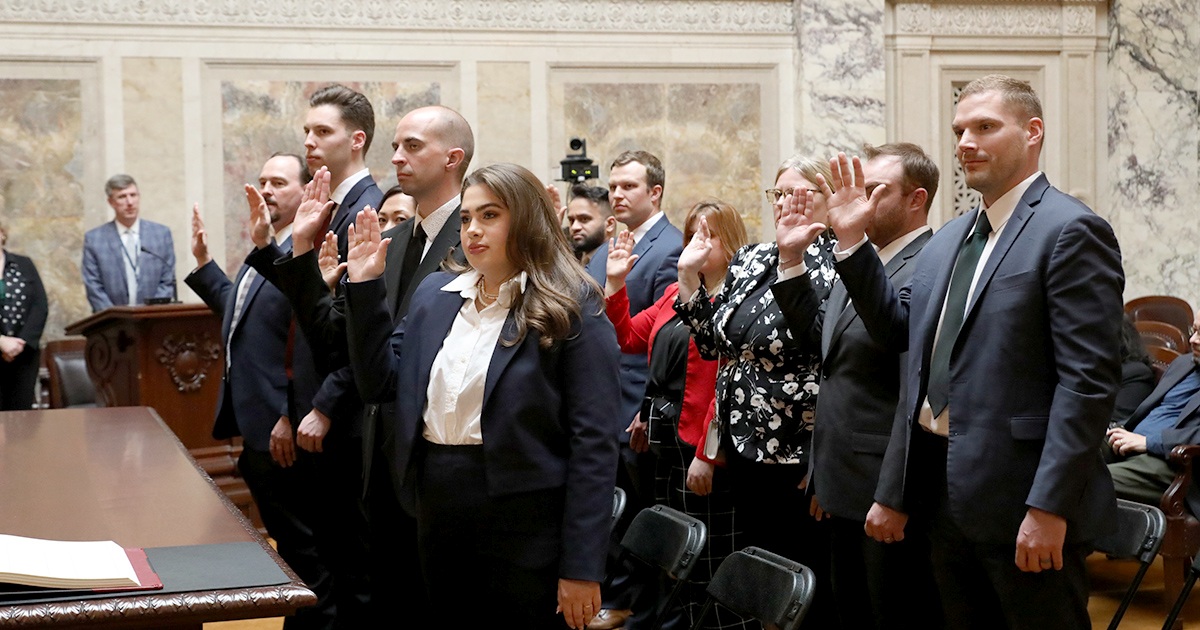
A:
(127, 260)
(680, 389)
(1169, 416)
(1137, 377)
(23, 311)
(504, 375)
(395, 207)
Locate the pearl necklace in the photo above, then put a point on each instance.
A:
(488, 297)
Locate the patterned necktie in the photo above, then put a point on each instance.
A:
(956, 307)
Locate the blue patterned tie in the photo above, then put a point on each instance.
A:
(956, 307)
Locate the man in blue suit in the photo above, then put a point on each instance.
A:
(635, 190)
(260, 401)
(127, 260)
(1010, 320)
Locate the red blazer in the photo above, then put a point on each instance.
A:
(636, 336)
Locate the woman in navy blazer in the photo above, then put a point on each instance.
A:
(505, 379)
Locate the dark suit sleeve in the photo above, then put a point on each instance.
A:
(889, 489)
(882, 308)
(802, 307)
(591, 397)
(39, 308)
(373, 354)
(212, 285)
(317, 312)
(1083, 288)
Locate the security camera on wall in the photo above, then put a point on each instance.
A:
(577, 167)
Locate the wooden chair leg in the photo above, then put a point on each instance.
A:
(1174, 574)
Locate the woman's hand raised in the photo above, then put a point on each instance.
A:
(691, 261)
(796, 228)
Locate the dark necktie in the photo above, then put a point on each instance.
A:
(956, 306)
(319, 237)
(412, 258)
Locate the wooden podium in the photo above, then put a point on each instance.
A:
(168, 357)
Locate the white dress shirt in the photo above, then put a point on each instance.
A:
(338, 195)
(436, 220)
(131, 245)
(641, 230)
(454, 398)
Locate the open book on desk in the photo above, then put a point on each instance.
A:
(59, 565)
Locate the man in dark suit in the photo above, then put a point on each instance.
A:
(127, 260)
(1010, 320)
(433, 147)
(338, 131)
(256, 400)
(635, 190)
(1170, 416)
(874, 585)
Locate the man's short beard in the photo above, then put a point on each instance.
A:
(589, 243)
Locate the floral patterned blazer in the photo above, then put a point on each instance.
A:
(767, 385)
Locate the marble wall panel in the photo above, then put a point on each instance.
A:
(152, 90)
(708, 136)
(840, 86)
(260, 117)
(1154, 144)
(41, 187)
(503, 130)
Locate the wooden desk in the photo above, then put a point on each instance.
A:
(120, 474)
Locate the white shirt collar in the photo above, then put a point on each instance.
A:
(999, 212)
(466, 285)
(641, 230)
(889, 251)
(135, 228)
(437, 219)
(339, 194)
(284, 234)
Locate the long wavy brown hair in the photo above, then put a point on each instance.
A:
(557, 285)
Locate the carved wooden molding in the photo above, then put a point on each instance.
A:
(187, 358)
(714, 16)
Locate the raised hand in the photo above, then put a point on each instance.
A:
(260, 217)
(313, 214)
(368, 254)
(850, 210)
(199, 238)
(327, 260)
(556, 200)
(620, 261)
(796, 228)
(691, 261)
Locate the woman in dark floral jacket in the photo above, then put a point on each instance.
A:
(767, 385)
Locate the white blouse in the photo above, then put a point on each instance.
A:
(454, 399)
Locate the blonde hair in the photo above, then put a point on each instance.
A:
(557, 285)
(808, 167)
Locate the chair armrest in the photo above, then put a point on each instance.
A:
(1174, 500)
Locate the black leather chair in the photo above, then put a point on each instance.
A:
(619, 502)
(668, 539)
(1139, 534)
(70, 385)
(756, 583)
